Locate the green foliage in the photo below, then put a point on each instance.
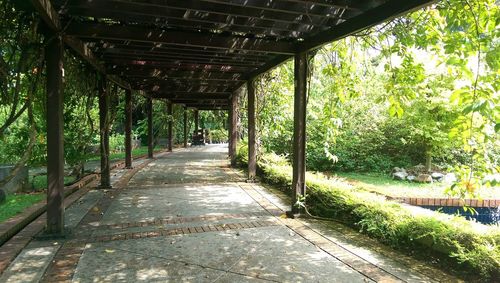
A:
(39, 182)
(117, 142)
(219, 135)
(18, 203)
(477, 253)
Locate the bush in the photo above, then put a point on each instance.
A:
(218, 135)
(454, 241)
(116, 142)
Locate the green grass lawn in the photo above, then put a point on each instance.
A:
(121, 155)
(17, 203)
(40, 182)
(385, 185)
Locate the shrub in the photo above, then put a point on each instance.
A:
(117, 142)
(454, 240)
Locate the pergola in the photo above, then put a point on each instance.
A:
(192, 52)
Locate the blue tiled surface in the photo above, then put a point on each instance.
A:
(484, 214)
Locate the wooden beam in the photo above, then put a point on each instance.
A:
(389, 10)
(81, 49)
(207, 107)
(278, 60)
(161, 8)
(179, 38)
(47, 13)
(191, 95)
(188, 89)
(168, 73)
(201, 101)
(143, 64)
(201, 21)
(135, 51)
(51, 18)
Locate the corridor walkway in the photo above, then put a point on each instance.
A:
(187, 217)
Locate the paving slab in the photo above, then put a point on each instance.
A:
(184, 217)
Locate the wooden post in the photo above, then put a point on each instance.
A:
(196, 120)
(252, 162)
(229, 118)
(170, 122)
(233, 127)
(55, 142)
(185, 128)
(104, 130)
(128, 129)
(149, 106)
(299, 129)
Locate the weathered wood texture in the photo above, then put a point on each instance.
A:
(252, 155)
(169, 126)
(185, 127)
(55, 141)
(299, 127)
(128, 129)
(233, 127)
(149, 106)
(104, 124)
(200, 45)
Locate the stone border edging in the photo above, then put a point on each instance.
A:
(490, 203)
(16, 223)
(349, 258)
(10, 249)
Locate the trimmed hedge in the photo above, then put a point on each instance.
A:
(453, 240)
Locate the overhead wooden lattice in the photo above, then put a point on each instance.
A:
(199, 52)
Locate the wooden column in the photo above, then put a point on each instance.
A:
(229, 113)
(104, 131)
(196, 120)
(55, 145)
(128, 129)
(299, 129)
(170, 122)
(149, 109)
(252, 162)
(233, 127)
(185, 128)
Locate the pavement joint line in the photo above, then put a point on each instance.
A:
(179, 231)
(65, 261)
(195, 264)
(172, 220)
(245, 255)
(406, 264)
(339, 252)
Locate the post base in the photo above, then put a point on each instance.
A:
(44, 235)
(293, 214)
(104, 187)
(252, 181)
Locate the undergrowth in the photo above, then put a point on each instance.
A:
(449, 238)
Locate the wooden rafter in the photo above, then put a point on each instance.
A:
(177, 38)
(51, 18)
